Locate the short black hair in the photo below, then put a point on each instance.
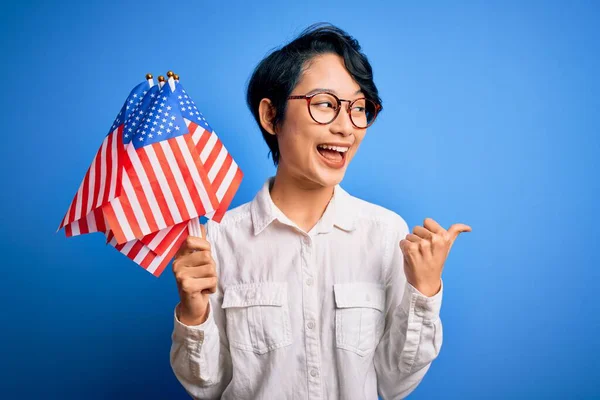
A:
(278, 74)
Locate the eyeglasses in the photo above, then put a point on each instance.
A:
(324, 107)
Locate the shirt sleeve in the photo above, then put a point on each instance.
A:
(199, 355)
(412, 336)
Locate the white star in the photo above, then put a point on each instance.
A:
(152, 129)
(160, 132)
(182, 108)
(127, 135)
(181, 102)
(173, 118)
(170, 124)
(162, 126)
(154, 123)
(177, 128)
(166, 114)
(169, 108)
(164, 98)
(164, 120)
(168, 130)
(150, 136)
(179, 97)
(141, 138)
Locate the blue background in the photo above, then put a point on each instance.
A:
(491, 118)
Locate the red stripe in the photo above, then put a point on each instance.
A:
(187, 176)
(100, 226)
(120, 160)
(160, 155)
(69, 230)
(98, 175)
(213, 155)
(112, 221)
(203, 172)
(172, 235)
(222, 172)
(141, 196)
(107, 177)
(132, 221)
(151, 176)
(167, 258)
(202, 142)
(135, 249)
(235, 184)
(109, 236)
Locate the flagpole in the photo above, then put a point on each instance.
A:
(161, 81)
(150, 80)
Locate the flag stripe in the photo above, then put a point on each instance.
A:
(144, 176)
(156, 166)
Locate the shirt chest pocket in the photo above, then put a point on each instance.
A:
(258, 316)
(359, 316)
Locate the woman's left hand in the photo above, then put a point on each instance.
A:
(425, 251)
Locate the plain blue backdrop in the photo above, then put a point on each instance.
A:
(491, 118)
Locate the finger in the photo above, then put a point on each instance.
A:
(457, 229)
(203, 229)
(197, 258)
(192, 244)
(198, 285)
(413, 238)
(423, 232)
(433, 226)
(206, 271)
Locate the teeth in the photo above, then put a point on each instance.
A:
(335, 148)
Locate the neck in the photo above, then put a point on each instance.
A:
(302, 202)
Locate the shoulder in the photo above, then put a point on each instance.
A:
(238, 218)
(369, 213)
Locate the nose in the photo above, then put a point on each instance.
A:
(342, 124)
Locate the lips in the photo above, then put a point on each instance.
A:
(332, 158)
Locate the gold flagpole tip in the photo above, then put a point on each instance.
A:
(149, 76)
(170, 74)
(161, 78)
(176, 77)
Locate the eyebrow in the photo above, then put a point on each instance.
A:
(331, 90)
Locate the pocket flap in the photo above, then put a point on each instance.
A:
(359, 294)
(255, 294)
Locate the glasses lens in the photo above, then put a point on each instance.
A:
(323, 108)
(363, 112)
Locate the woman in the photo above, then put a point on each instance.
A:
(308, 292)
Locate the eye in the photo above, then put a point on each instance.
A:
(324, 104)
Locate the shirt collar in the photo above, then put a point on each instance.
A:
(339, 211)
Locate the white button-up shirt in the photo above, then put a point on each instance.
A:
(324, 314)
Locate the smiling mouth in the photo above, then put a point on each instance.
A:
(333, 153)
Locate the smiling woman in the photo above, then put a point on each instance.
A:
(313, 298)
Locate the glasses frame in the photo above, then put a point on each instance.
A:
(308, 98)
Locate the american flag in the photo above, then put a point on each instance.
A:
(174, 170)
(102, 181)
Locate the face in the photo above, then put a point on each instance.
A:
(312, 154)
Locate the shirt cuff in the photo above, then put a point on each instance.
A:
(194, 332)
(426, 307)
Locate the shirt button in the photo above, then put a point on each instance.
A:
(314, 373)
(311, 325)
(309, 281)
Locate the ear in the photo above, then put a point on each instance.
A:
(266, 112)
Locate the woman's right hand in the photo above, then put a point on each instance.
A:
(196, 277)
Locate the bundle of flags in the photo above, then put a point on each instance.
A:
(159, 169)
